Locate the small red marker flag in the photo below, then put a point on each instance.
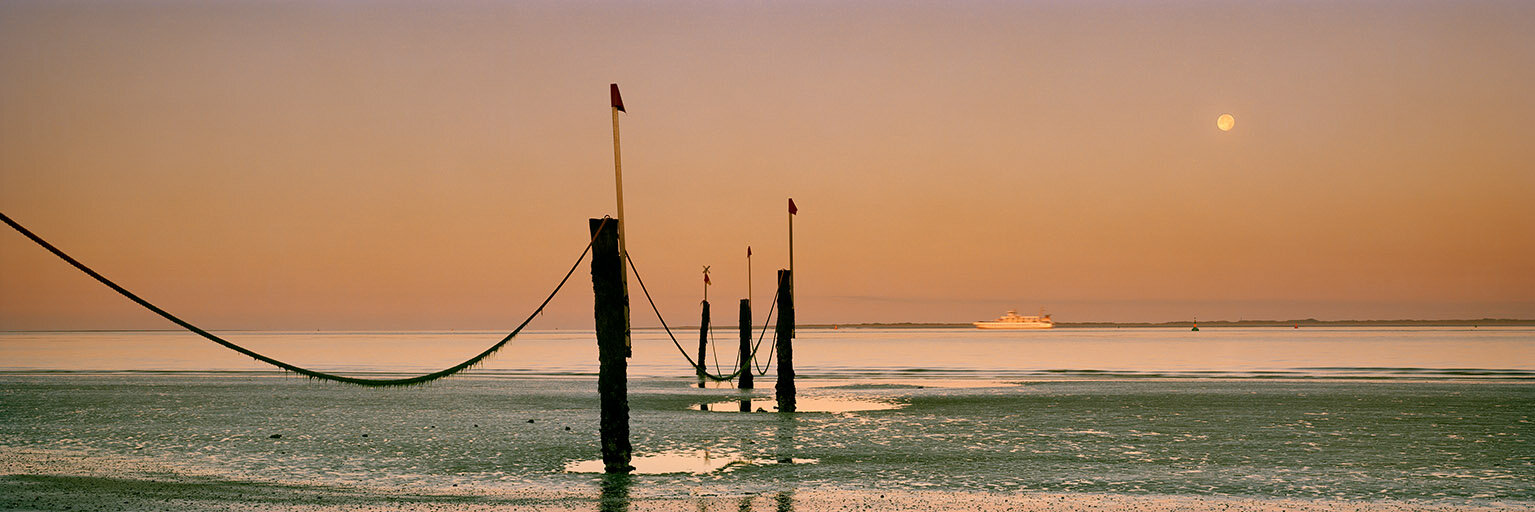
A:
(706, 279)
(748, 251)
(618, 101)
(792, 209)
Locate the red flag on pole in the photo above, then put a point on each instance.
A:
(792, 209)
(618, 101)
(706, 279)
(748, 251)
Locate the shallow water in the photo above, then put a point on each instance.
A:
(803, 405)
(1438, 415)
(1450, 352)
(1318, 439)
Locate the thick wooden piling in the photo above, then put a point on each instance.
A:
(744, 381)
(703, 343)
(785, 385)
(611, 307)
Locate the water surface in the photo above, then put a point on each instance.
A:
(1442, 415)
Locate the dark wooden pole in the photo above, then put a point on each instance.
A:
(611, 306)
(785, 386)
(703, 342)
(745, 380)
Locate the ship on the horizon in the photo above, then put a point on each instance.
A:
(1012, 320)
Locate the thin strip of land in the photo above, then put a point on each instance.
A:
(1308, 322)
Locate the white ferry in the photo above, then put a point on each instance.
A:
(1013, 321)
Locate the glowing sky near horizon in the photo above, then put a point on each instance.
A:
(365, 165)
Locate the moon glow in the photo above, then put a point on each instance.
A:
(1225, 122)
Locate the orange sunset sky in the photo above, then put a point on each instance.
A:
(414, 165)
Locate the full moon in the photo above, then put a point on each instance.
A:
(1225, 122)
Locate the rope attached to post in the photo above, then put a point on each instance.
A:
(699, 366)
(772, 306)
(314, 374)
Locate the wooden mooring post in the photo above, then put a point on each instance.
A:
(703, 343)
(744, 381)
(785, 385)
(611, 307)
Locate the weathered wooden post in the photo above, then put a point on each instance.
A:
(745, 380)
(703, 342)
(611, 307)
(785, 385)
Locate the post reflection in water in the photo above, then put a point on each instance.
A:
(615, 487)
(788, 426)
(785, 501)
(615, 493)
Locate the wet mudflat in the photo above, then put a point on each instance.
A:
(251, 440)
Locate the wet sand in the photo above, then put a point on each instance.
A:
(164, 442)
(51, 480)
(1340, 420)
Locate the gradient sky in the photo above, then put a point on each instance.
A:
(368, 165)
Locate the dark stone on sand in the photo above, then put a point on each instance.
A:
(365, 435)
(274, 436)
(530, 421)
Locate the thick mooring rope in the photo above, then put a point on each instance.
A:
(409, 381)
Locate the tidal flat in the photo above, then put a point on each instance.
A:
(261, 440)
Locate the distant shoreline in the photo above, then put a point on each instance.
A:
(1309, 322)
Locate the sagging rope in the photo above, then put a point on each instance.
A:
(766, 322)
(698, 366)
(772, 306)
(409, 381)
(715, 347)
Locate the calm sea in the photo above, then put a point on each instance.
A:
(1487, 352)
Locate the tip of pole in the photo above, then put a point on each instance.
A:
(617, 100)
